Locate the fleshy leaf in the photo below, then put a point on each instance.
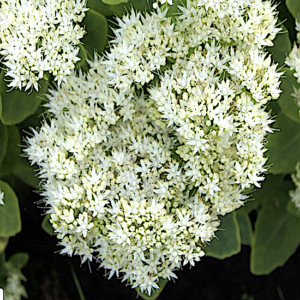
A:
(96, 36)
(267, 194)
(10, 218)
(245, 228)
(3, 271)
(100, 7)
(228, 240)
(33, 121)
(3, 243)
(294, 7)
(276, 236)
(13, 152)
(136, 4)
(286, 102)
(282, 47)
(25, 173)
(18, 105)
(83, 57)
(251, 204)
(284, 146)
(19, 260)
(114, 2)
(292, 209)
(3, 142)
(47, 226)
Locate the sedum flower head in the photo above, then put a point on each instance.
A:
(295, 195)
(39, 36)
(140, 155)
(293, 61)
(116, 190)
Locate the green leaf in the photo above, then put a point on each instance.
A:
(276, 235)
(228, 241)
(13, 152)
(139, 5)
(114, 2)
(250, 205)
(0, 106)
(96, 36)
(267, 194)
(18, 105)
(3, 243)
(284, 146)
(245, 228)
(292, 209)
(83, 57)
(13, 164)
(10, 219)
(46, 225)
(25, 172)
(3, 271)
(286, 102)
(100, 7)
(294, 7)
(33, 121)
(155, 294)
(282, 47)
(19, 260)
(2, 261)
(3, 142)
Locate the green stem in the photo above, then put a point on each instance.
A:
(75, 278)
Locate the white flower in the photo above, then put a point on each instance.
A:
(38, 36)
(84, 224)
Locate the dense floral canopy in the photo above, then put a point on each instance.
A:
(141, 154)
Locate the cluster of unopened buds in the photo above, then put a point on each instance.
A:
(141, 154)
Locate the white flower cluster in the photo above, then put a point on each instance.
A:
(1, 197)
(295, 195)
(293, 61)
(161, 136)
(14, 290)
(115, 187)
(38, 36)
